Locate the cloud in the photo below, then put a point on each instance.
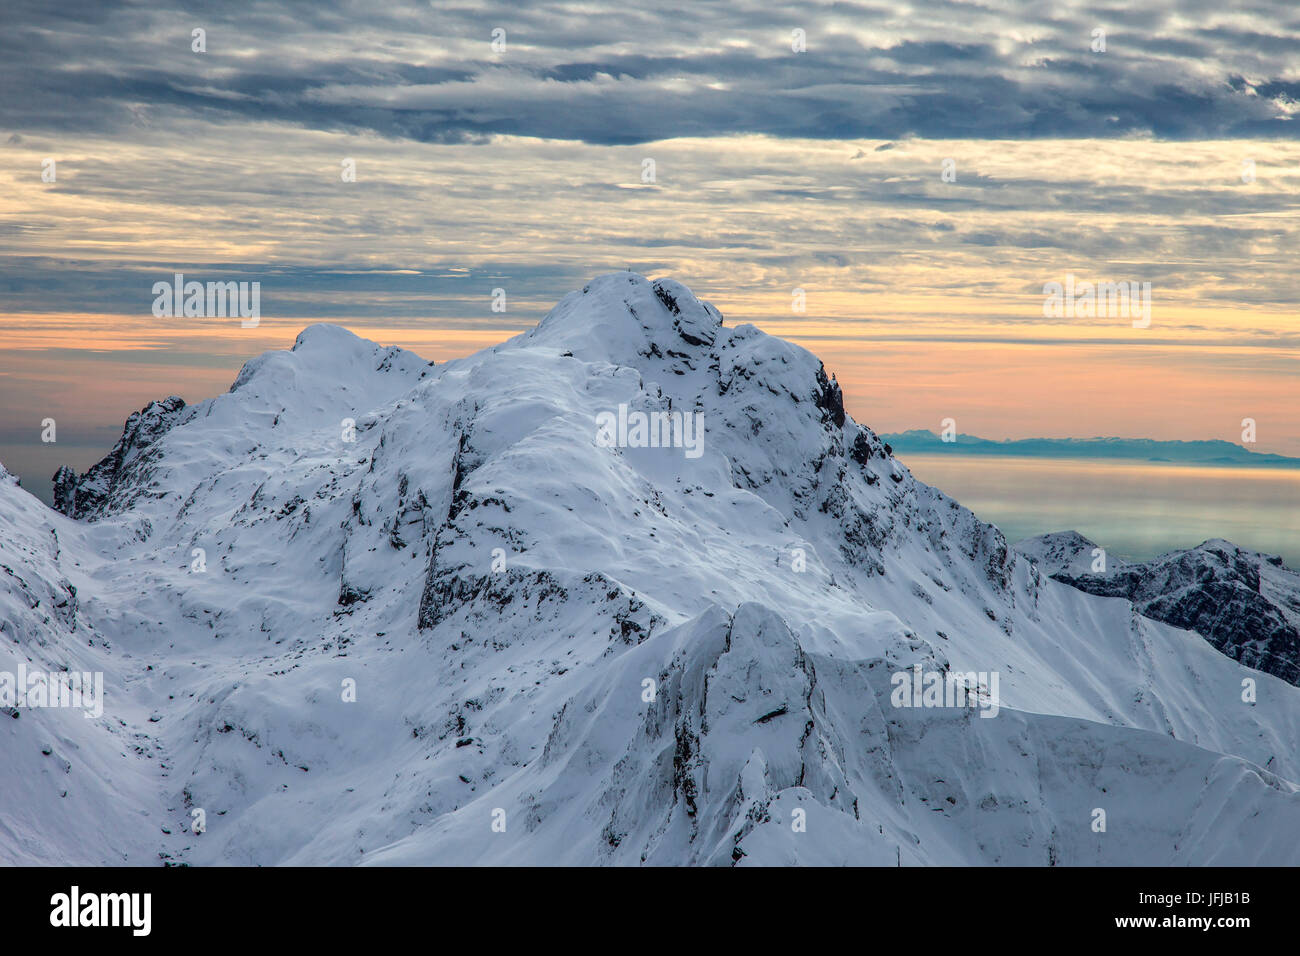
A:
(623, 76)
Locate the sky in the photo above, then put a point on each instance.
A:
(920, 171)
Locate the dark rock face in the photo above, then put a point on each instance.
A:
(1231, 597)
(829, 398)
(65, 491)
(89, 495)
(695, 321)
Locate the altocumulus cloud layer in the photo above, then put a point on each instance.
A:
(522, 159)
(609, 73)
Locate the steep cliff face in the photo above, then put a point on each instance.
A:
(631, 587)
(91, 494)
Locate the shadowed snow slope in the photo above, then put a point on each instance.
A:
(615, 654)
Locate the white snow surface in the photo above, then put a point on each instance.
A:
(522, 690)
(1064, 552)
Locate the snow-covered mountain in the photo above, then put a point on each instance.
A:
(566, 646)
(1066, 552)
(1244, 603)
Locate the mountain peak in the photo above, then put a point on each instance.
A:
(505, 586)
(80, 496)
(1061, 552)
(621, 313)
(327, 335)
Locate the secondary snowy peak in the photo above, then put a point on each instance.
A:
(636, 653)
(1065, 552)
(327, 374)
(324, 350)
(86, 496)
(1244, 603)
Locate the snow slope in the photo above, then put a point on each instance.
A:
(614, 654)
(1244, 603)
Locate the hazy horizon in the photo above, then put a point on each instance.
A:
(90, 413)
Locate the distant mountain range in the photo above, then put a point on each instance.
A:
(1212, 452)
